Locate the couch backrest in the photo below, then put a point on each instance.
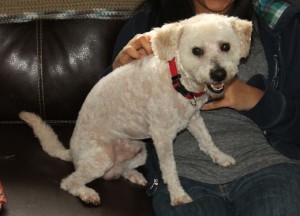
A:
(51, 59)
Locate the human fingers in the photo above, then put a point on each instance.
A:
(224, 101)
(136, 48)
(216, 104)
(126, 55)
(142, 44)
(238, 95)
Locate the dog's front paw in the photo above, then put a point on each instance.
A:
(181, 200)
(224, 160)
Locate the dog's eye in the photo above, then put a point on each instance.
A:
(225, 47)
(197, 51)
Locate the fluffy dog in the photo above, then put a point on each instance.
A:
(154, 97)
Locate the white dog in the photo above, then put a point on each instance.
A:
(154, 97)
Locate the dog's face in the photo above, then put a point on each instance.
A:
(207, 47)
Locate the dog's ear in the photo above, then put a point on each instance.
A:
(244, 30)
(164, 40)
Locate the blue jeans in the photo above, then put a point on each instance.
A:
(272, 191)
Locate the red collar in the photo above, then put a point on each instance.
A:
(178, 85)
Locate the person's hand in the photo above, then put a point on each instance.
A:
(136, 48)
(238, 95)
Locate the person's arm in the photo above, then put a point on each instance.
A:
(277, 111)
(129, 34)
(136, 48)
(278, 115)
(131, 44)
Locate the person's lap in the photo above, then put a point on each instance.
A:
(272, 191)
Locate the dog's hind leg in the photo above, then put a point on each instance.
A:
(129, 166)
(91, 165)
(206, 144)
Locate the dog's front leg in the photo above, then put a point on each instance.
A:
(199, 131)
(163, 143)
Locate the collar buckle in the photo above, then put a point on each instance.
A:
(176, 78)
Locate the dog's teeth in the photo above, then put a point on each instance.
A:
(217, 86)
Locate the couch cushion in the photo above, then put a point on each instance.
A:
(48, 66)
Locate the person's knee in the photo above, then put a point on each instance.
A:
(272, 191)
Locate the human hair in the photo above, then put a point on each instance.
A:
(166, 11)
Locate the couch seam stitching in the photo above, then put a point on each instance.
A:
(38, 63)
(43, 108)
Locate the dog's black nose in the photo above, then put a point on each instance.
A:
(218, 75)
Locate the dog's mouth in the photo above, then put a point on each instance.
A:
(216, 88)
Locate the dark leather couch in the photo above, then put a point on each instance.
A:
(48, 67)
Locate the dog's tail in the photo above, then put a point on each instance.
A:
(46, 136)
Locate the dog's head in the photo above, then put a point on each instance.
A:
(207, 48)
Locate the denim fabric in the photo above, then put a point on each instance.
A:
(272, 191)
